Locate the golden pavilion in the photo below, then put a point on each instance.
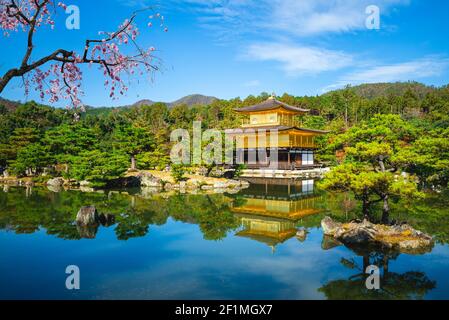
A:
(295, 146)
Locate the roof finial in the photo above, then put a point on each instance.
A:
(273, 96)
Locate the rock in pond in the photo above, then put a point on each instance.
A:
(402, 238)
(87, 216)
(148, 180)
(56, 182)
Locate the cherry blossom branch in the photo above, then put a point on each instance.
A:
(106, 53)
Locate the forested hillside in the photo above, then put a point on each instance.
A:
(104, 143)
(376, 90)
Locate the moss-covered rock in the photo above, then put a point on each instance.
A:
(402, 238)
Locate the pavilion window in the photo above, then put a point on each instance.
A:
(253, 120)
(307, 158)
(307, 186)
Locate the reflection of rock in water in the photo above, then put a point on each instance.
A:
(55, 188)
(393, 286)
(329, 243)
(86, 189)
(88, 221)
(106, 220)
(87, 231)
(149, 192)
(301, 235)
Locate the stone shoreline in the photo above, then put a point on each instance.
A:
(154, 181)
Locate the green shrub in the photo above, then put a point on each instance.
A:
(178, 171)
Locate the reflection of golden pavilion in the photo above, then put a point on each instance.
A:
(270, 231)
(270, 212)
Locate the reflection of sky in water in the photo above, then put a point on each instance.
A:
(173, 261)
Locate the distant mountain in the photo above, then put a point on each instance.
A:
(194, 99)
(191, 100)
(375, 90)
(144, 102)
(10, 105)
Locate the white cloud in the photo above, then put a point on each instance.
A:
(296, 17)
(430, 66)
(298, 60)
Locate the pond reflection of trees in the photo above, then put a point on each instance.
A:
(267, 213)
(393, 285)
(24, 212)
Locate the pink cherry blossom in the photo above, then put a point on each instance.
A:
(59, 75)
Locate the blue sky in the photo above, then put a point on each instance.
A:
(230, 48)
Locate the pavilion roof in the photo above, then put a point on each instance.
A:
(269, 238)
(278, 128)
(270, 104)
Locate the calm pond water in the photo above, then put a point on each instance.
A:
(240, 246)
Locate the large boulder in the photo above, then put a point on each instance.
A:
(169, 186)
(56, 182)
(148, 180)
(55, 189)
(87, 215)
(359, 234)
(329, 226)
(85, 183)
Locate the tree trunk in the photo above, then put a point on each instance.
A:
(346, 117)
(133, 162)
(366, 206)
(385, 211)
(365, 209)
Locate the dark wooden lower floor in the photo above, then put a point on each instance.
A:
(282, 159)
